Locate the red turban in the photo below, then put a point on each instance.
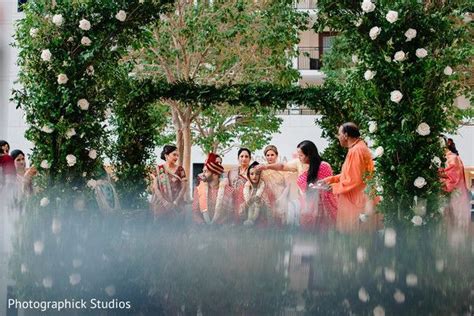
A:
(213, 165)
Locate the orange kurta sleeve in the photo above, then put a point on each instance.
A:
(352, 173)
(333, 179)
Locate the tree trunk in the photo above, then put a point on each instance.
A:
(187, 145)
(178, 126)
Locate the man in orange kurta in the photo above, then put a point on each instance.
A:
(349, 185)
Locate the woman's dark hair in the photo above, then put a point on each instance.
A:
(15, 153)
(244, 149)
(3, 143)
(351, 129)
(309, 150)
(168, 149)
(452, 146)
(252, 165)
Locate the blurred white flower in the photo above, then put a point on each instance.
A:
(358, 22)
(23, 268)
(121, 15)
(448, 71)
(44, 202)
(363, 295)
(56, 226)
(388, 59)
(389, 275)
(411, 280)
(436, 161)
(379, 152)
(92, 183)
(141, 1)
(361, 254)
(46, 55)
(58, 19)
(355, 59)
(74, 279)
(71, 160)
(83, 104)
(70, 39)
(390, 237)
(110, 290)
(379, 311)
(33, 32)
(396, 96)
(92, 154)
(400, 56)
(421, 53)
(410, 34)
(38, 247)
(372, 126)
(48, 282)
(399, 296)
(419, 182)
(440, 265)
(467, 18)
(47, 129)
(374, 32)
(86, 41)
(369, 74)
(62, 79)
(90, 70)
(391, 16)
(44, 164)
(417, 220)
(462, 102)
(423, 129)
(367, 6)
(70, 133)
(84, 25)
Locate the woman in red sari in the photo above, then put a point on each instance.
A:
(237, 178)
(318, 207)
(169, 186)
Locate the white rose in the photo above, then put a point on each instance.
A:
(448, 71)
(355, 59)
(374, 32)
(462, 102)
(74, 279)
(372, 127)
(361, 254)
(390, 275)
(392, 16)
(47, 282)
(70, 133)
(83, 104)
(400, 56)
(367, 6)
(62, 79)
(369, 74)
(417, 220)
(379, 311)
(92, 154)
(419, 182)
(45, 164)
(91, 183)
(58, 19)
(86, 41)
(363, 295)
(390, 237)
(410, 34)
(121, 15)
(379, 151)
(110, 290)
(33, 32)
(423, 129)
(90, 70)
(396, 96)
(47, 129)
(44, 202)
(84, 25)
(411, 279)
(421, 53)
(38, 247)
(399, 296)
(71, 160)
(436, 161)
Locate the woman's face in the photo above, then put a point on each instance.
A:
(5, 149)
(20, 162)
(254, 175)
(172, 157)
(244, 159)
(302, 157)
(271, 157)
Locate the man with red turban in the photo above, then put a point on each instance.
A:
(212, 201)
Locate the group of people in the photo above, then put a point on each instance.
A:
(258, 194)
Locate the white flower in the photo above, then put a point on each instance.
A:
(421, 53)
(389, 275)
(379, 311)
(70, 133)
(399, 296)
(410, 34)
(361, 254)
(71, 160)
(390, 237)
(56, 226)
(396, 96)
(462, 102)
(374, 32)
(423, 129)
(467, 17)
(76, 263)
(74, 279)
(70, 39)
(90, 70)
(448, 71)
(33, 32)
(47, 129)
(141, 1)
(411, 280)
(92, 154)
(86, 41)
(400, 56)
(58, 19)
(388, 59)
(358, 22)
(38, 247)
(47, 282)
(110, 290)
(372, 127)
(367, 6)
(44, 164)
(62, 79)
(392, 16)
(46, 55)
(417, 220)
(84, 25)
(355, 59)
(121, 15)
(369, 74)
(440, 265)
(379, 152)
(92, 183)
(83, 104)
(363, 295)
(44, 202)
(436, 161)
(419, 182)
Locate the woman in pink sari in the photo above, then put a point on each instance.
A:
(237, 178)
(458, 210)
(318, 207)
